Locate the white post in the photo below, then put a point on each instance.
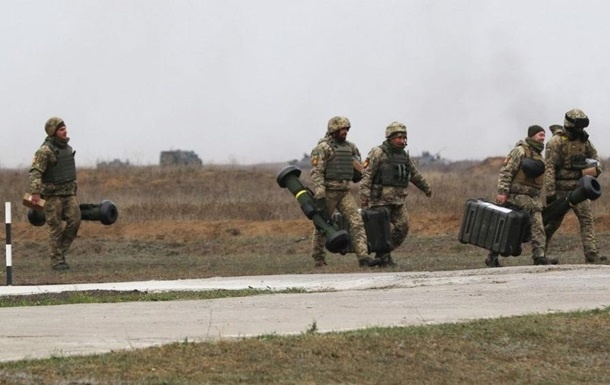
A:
(9, 246)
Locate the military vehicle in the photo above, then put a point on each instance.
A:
(179, 158)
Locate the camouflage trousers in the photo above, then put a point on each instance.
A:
(533, 207)
(585, 219)
(344, 202)
(399, 218)
(59, 209)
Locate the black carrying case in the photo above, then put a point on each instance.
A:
(377, 228)
(492, 227)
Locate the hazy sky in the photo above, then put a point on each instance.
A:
(245, 81)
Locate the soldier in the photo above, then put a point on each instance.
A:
(570, 155)
(388, 169)
(555, 127)
(333, 161)
(519, 184)
(53, 178)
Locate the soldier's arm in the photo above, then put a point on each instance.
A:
(509, 170)
(418, 179)
(356, 153)
(357, 162)
(592, 153)
(42, 159)
(318, 165)
(551, 158)
(371, 166)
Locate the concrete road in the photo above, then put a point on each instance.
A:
(333, 302)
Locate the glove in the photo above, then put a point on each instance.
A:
(320, 205)
(550, 199)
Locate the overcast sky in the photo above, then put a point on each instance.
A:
(244, 81)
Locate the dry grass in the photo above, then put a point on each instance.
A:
(554, 349)
(232, 221)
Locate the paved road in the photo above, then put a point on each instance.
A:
(334, 302)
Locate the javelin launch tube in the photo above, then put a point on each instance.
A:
(106, 212)
(588, 188)
(336, 240)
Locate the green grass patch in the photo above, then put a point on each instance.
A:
(562, 348)
(110, 296)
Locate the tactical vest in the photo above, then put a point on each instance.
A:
(575, 158)
(340, 165)
(396, 171)
(64, 170)
(522, 178)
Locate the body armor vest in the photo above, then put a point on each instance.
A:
(340, 165)
(575, 158)
(522, 177)
(65, 169)
(396, 172)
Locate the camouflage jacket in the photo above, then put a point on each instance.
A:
(507, 183)
(320, 156)
(43, 159)
(557, 176)
(377, 194)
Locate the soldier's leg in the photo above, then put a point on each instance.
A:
(72, 216)
(399, 217)
(587, 233)
(53, 213)
(318, 252)
(538, 240)
(492, 260)
(347, 206)
(317, 248)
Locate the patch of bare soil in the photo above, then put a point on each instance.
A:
(423, 225)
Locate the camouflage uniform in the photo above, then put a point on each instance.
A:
(391, 192)
(523, 191)
(566, 155)
(53, 176)
(332, 172)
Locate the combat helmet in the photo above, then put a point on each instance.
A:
(395, 128)
(335, 124)
(556, 128)
(576, 118)
(53, 124)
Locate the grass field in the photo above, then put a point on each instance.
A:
(233, 221)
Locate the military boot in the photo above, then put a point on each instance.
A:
(545, 261)
(492, 260)
(366, 262)
(319, 260)
(593, 258)
(61, 266)
(385, 260)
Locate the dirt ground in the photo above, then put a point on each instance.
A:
(423, 225)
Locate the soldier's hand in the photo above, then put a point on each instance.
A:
(35, 199)
(364, 203)
(320, 204)
(501, 199)
(429, 193)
